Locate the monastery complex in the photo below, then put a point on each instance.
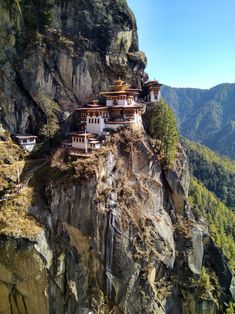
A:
(124, 106)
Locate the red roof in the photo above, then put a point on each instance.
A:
(153, 83)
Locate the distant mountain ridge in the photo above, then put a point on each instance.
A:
(217, 174)
(206, 116)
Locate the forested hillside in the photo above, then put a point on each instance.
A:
(215, 172)
(206, 116)
(220, 218)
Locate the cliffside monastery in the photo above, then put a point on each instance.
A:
(124, 107)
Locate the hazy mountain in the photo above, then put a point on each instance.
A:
(206, 116)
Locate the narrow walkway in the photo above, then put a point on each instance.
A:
(31, 166)
(28, 173)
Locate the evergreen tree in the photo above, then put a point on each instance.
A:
(205, 280)
(163, 127)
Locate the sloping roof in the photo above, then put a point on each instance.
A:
(24, 137)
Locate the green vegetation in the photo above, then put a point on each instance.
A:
(220, 218)
(163, 127)
(215, 172)
(208, 285)
(36, 13)
(51, 127)
(230, 309)
(206, 116)
(205, 280)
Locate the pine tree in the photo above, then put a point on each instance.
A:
(163, 126)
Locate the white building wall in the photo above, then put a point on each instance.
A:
(159, 96)
(114, 126)
(77, 144)
(109, 103)
(28, 145)
(152, 96)
(94, 146)
(82, 145)
(93, 127)
(155, 96)
(122, 102)
(137, 118)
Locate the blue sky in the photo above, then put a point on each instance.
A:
(188, 43)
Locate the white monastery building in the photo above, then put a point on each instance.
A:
(121, 109)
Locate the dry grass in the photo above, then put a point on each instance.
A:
(123, 140)
(14, 215)
(183, 227)
(86, 168)
(10, 173)
(11, 164)
(126, 137)
(10, 152)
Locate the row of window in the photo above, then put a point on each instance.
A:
(81, 140)
(78, 139)
(122, 97)
(94, 121)
(84, 114)
(28, 141)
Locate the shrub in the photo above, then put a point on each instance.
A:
(205, 280)
(230, 309)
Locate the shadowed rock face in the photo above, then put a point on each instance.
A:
(87, 45)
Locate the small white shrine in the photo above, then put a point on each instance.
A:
(153, 91)
(27, 142)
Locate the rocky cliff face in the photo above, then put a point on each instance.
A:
(118, 237)
(65, 60)
(110, 234)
